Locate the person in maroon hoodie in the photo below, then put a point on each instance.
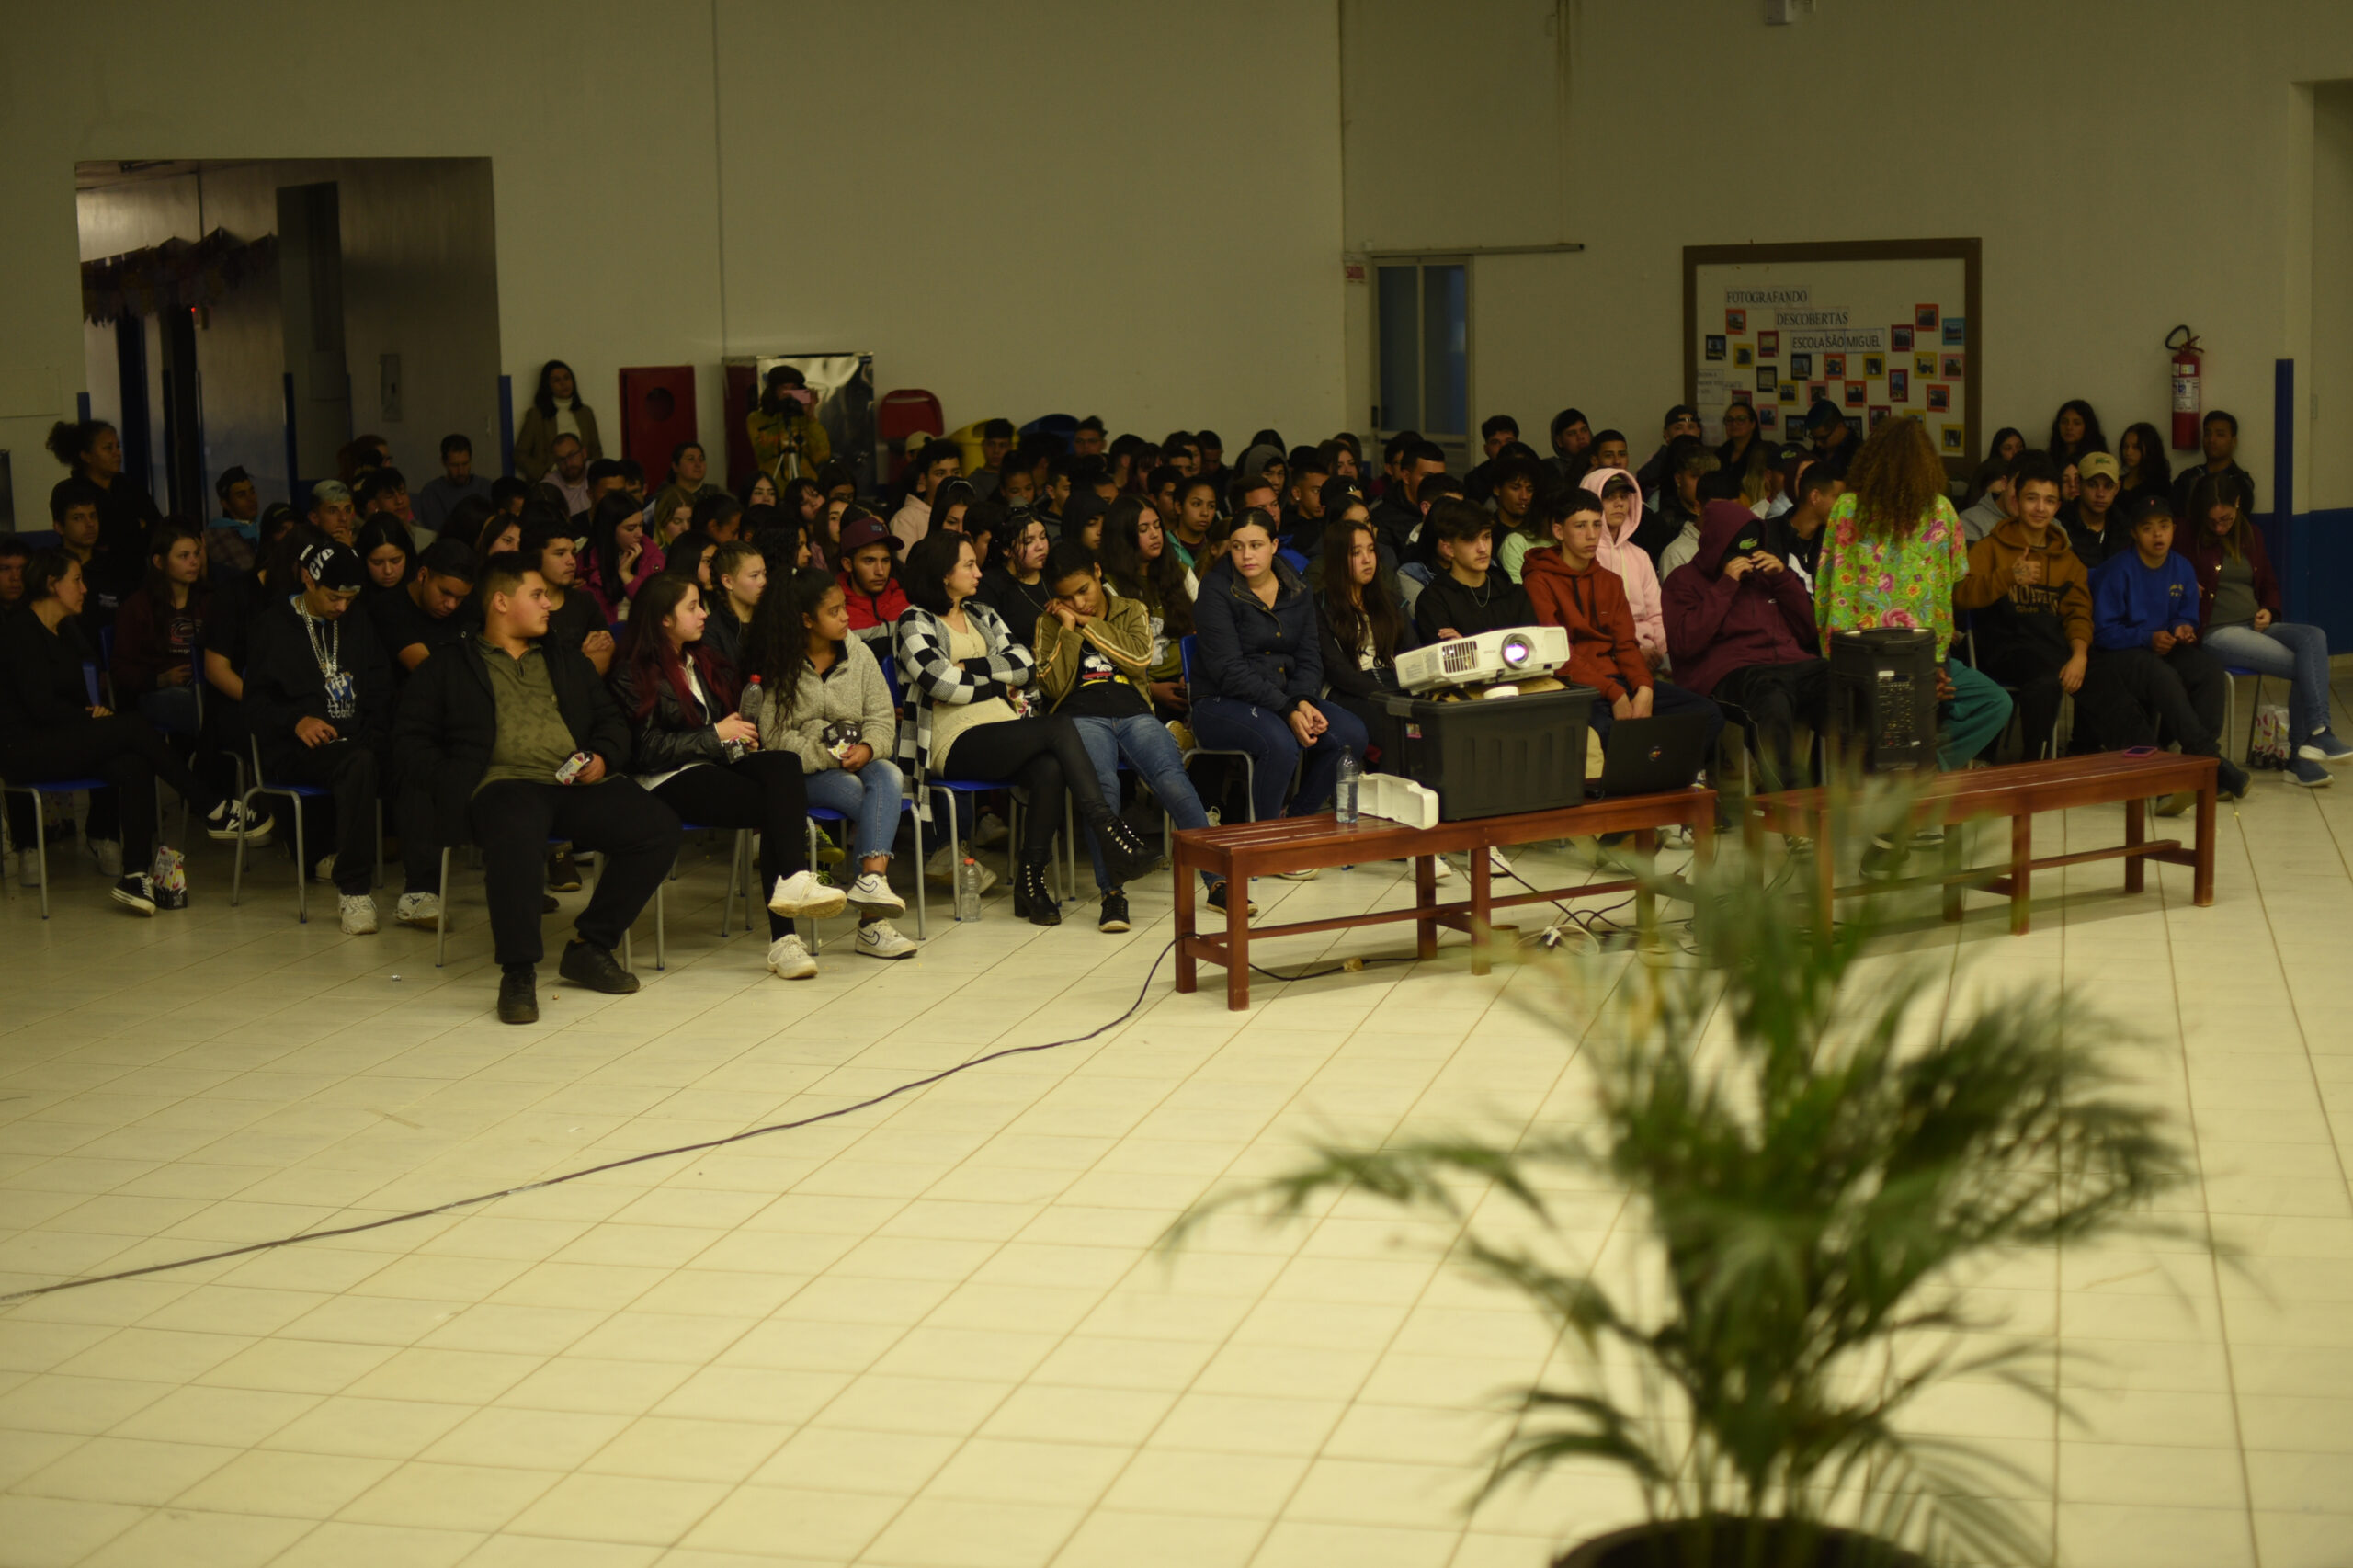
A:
(1570, 588)
(1740, 629)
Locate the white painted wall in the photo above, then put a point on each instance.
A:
(1027, 208)
(1141, 210)
(2130, 164)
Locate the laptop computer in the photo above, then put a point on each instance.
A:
(1652, 757)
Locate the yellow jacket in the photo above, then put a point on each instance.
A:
(778, 438)
(1121, 634)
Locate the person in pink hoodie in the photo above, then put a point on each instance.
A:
(1620, 514)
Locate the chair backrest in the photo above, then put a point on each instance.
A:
(904, 410)
(1185, 646)
(890, 678)
(90, 681)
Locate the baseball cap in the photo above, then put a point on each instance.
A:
(2147, 506)
(335, 565)
(857, 535)
(2098, 465)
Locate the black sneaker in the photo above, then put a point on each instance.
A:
(2231, 781)
(562, 875)
(519, 994)
(584, 964)
(136, 893)
(1217, 899)
(1114, 917)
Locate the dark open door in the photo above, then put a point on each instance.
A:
(657, 414)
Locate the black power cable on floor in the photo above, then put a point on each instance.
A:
(912, 1085)
(480, 1198)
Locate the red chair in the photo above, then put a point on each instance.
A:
(907, 412)
(899, 418)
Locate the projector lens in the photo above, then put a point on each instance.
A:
(1515, 650)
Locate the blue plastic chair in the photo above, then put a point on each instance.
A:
(34, 791)
(1187, 647)
(736, 878)
(295, 794)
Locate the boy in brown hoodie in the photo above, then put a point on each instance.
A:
(2031, 603)
(1568, 588)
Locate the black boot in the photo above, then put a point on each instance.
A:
(1031, 895)
(519, 994)
(1126, 856)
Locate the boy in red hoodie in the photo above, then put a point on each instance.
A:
(1570, 588)
(869, 580)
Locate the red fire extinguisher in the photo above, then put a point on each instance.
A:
(2185, 385)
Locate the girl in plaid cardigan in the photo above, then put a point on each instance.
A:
(967, 682)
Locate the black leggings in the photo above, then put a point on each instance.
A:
(1044, 756)
(762, 789)
(130, 754)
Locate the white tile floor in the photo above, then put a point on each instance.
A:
(934, 1334)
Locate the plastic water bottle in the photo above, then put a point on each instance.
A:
(1344, 797)
(968, 890)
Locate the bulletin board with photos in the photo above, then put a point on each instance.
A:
(1876, 327)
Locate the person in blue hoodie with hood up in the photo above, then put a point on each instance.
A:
(2160, 682)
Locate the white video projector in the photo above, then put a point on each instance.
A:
(1513, 653)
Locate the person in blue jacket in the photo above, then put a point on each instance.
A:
(1259, 671)
(2159, 682)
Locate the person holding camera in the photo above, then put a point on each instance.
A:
(695, 752)
(786, 441)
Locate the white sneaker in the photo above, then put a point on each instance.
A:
(1308, 875)
(230, 820)
(881, 940)
(1497, 864)
(358, 912)
(323, 869)
(28, 868)
(801, 896)
(107, 853)
(418, 909)
(1444, 871)
(787, 960)
(872, 891)
(989, 831)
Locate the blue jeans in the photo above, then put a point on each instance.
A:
(2296, 654)
(172, 708)
(1151, 750)
(868, 798)
(1974, 717)
(1221, 723)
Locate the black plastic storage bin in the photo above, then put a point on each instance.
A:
(1492, 757)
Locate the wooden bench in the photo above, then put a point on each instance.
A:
(2018, 792)
(1243, 850)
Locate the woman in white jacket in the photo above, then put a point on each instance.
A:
(828, 704)
(1621, 512)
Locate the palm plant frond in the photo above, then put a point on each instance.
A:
(1817, 1152)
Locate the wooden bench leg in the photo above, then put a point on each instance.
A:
(1481, 912)
(2136, 833)
(1187, 970)
(1237, 940)
(1645, 905)
(1425, 901)
(2021, 875)
(1954, 847)
(2201, 875)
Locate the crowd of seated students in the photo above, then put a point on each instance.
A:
(567, 625)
